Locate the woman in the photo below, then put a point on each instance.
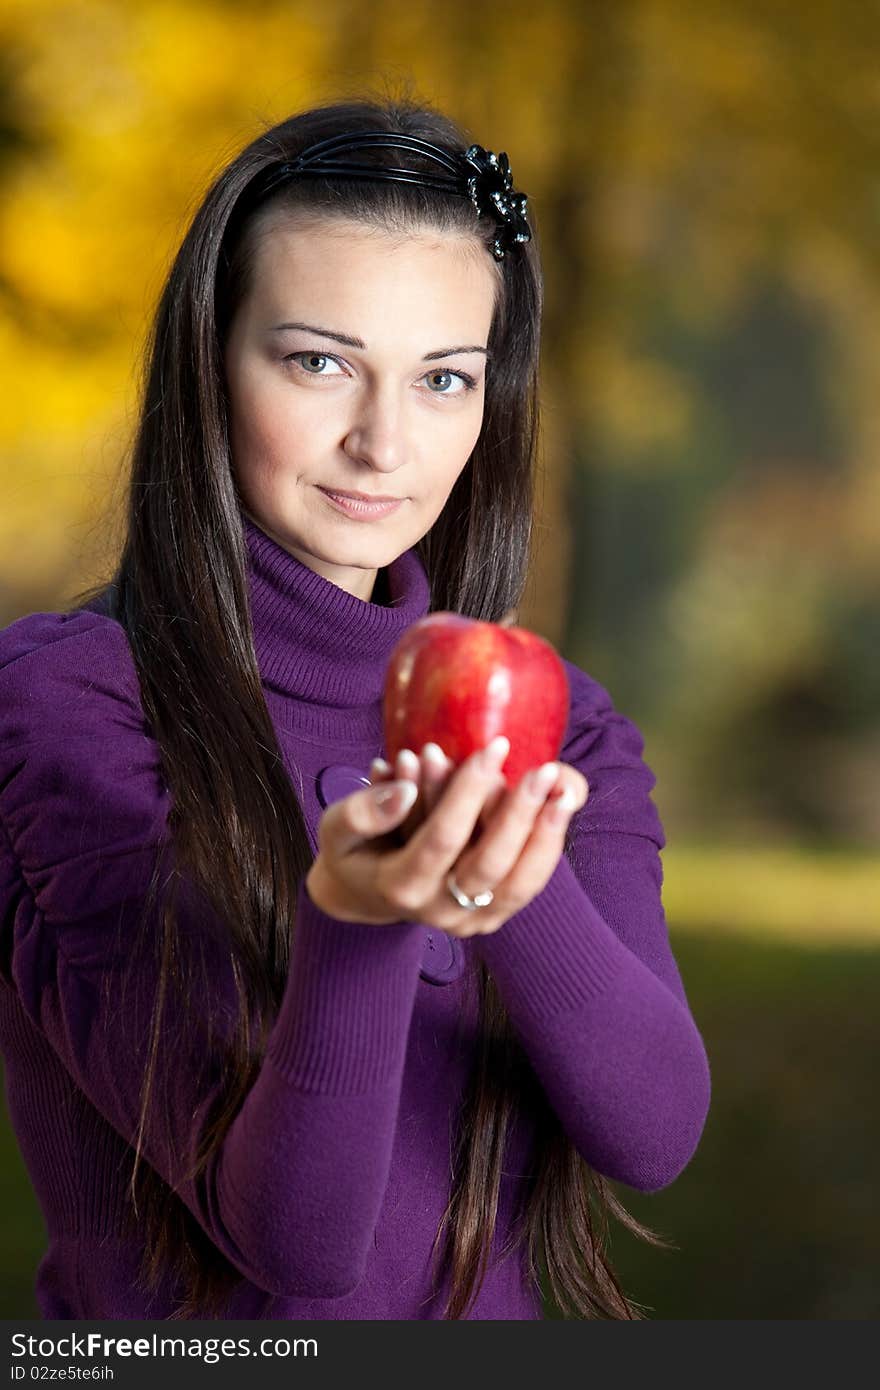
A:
(279, 1043)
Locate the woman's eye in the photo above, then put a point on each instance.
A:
(310, 357)
(467, 382)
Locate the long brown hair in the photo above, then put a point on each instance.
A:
(180, 590)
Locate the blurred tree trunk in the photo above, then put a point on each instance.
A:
(594, 92)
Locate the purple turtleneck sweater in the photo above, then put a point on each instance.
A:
(327, 1191)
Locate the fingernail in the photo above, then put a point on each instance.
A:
(434, 754)
(397, 796)
(494, 753)
(539, 781)
(378, 767)
(408, 762)
(561, 810)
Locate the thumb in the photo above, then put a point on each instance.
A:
(373, 812)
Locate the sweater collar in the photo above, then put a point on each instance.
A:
(314, 641)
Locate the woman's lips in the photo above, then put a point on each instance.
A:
(361, 511)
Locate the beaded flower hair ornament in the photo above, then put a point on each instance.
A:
(477, 174)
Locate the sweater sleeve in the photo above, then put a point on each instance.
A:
(587, 974)
(293, 1194)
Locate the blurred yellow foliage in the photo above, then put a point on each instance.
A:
(827, 899)
(636, 402)
(130, 110)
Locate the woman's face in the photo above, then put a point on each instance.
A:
(391, 415)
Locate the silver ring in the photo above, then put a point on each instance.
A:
(481, 900)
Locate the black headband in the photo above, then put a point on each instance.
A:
(477, 174)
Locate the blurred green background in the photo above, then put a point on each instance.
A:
(704, 180)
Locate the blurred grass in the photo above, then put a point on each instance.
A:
(798, 895)
(24, 1234)
(775, 1215)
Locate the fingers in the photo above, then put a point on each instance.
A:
(436, 770)
(438, 842)
(523, 843)
(430, 772)
(365, 815)
(407, 765)
(520, 839)
(492, 803)
(570, 780)
(537, 859)
(510, 828)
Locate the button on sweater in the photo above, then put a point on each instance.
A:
(327, 1191)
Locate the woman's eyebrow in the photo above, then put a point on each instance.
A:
(348, 341)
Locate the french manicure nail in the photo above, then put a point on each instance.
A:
(434, 754)
(539, 781)
(561, 810)
(494, 753)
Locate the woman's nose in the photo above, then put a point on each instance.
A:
(376, 434)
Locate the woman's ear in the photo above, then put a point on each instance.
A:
(510, 618)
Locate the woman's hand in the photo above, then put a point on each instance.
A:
(363, 874)
(432, 770)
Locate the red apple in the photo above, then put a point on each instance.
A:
(458, 682)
